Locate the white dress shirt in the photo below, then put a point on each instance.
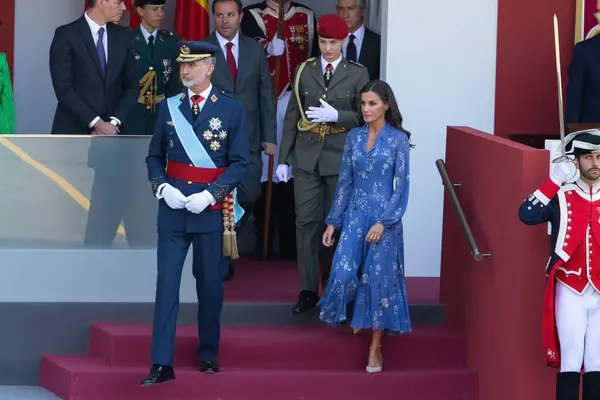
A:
(235, 49)
(359, 36)
(147, 34)
(335, 63)
(205, 93)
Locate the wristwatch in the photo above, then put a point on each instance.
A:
(114, 122)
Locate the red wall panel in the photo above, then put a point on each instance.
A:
(7, 30)
(497, 301)
(526, 92)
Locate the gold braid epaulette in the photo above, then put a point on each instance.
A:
(149, 88)
(304, 125)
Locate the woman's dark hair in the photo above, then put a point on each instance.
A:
(385, 93)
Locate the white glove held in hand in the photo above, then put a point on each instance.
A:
(173, 197)
(322, 114)
(282, 173)
(563, 171)
(276, 47)
(198, 202)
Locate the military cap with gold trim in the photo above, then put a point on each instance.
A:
(195, 51)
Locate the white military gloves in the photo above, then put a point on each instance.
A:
(173, 197)
(322, 114)
(563, 171)
(195, 203)
(276, 47)
(283, 172)
(198, 202)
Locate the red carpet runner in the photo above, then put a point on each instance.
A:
(270, 362)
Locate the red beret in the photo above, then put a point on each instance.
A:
(332, 26)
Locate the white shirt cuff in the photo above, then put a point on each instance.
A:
(117, 120)
(91, 124)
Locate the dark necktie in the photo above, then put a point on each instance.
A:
(328, 74)
(196, 100)
(151, 45)
(231, 62)
(351, 49)
(100, 49)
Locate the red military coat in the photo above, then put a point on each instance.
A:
(574, 213)
(298, 31)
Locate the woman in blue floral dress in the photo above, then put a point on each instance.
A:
(371, 198)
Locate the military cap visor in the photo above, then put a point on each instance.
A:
(142, 3)
(583, 142)
(196, 51)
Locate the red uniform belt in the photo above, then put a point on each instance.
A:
(193, 174)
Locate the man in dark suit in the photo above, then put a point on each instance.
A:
(583, 89)
(242, 70)
(93, 72)
(197, 156)
(362, 45)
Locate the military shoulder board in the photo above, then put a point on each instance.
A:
(355, 63)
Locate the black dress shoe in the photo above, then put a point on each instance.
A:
(158, 373)
(306, 301)
(210, 367)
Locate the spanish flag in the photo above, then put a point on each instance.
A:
(191, 19)
(134, 18)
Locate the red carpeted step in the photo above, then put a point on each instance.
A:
(277, 281)
(285, 347)
(86, 378)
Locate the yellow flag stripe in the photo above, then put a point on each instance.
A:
(53, 176)
(203, 4)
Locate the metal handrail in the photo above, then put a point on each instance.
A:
(441, 166)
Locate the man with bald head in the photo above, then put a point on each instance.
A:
(362, 44)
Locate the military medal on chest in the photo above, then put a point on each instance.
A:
(299, 35)
(214, 133)
(168, 69)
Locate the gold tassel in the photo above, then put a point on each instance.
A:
(233, 236)
(230, 248)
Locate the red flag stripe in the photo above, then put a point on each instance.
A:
(191, 19)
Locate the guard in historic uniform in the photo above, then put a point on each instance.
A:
(198, 155)
(324, 106)
(571, 311)
(155, 51)
(298, 42)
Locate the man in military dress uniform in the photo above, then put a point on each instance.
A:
(198, 155)
(155, 51)
(571, 311)
(297, 43)
(312, 143)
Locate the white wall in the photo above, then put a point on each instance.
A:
(440, 60)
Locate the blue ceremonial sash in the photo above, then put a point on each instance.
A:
(194, 148)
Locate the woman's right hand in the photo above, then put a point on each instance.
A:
(328, 236)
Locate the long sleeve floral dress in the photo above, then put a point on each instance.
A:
(369, 278)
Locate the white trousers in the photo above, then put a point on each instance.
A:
(578, 326)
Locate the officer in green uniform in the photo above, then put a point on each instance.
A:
(324, 106)
(155, 51)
